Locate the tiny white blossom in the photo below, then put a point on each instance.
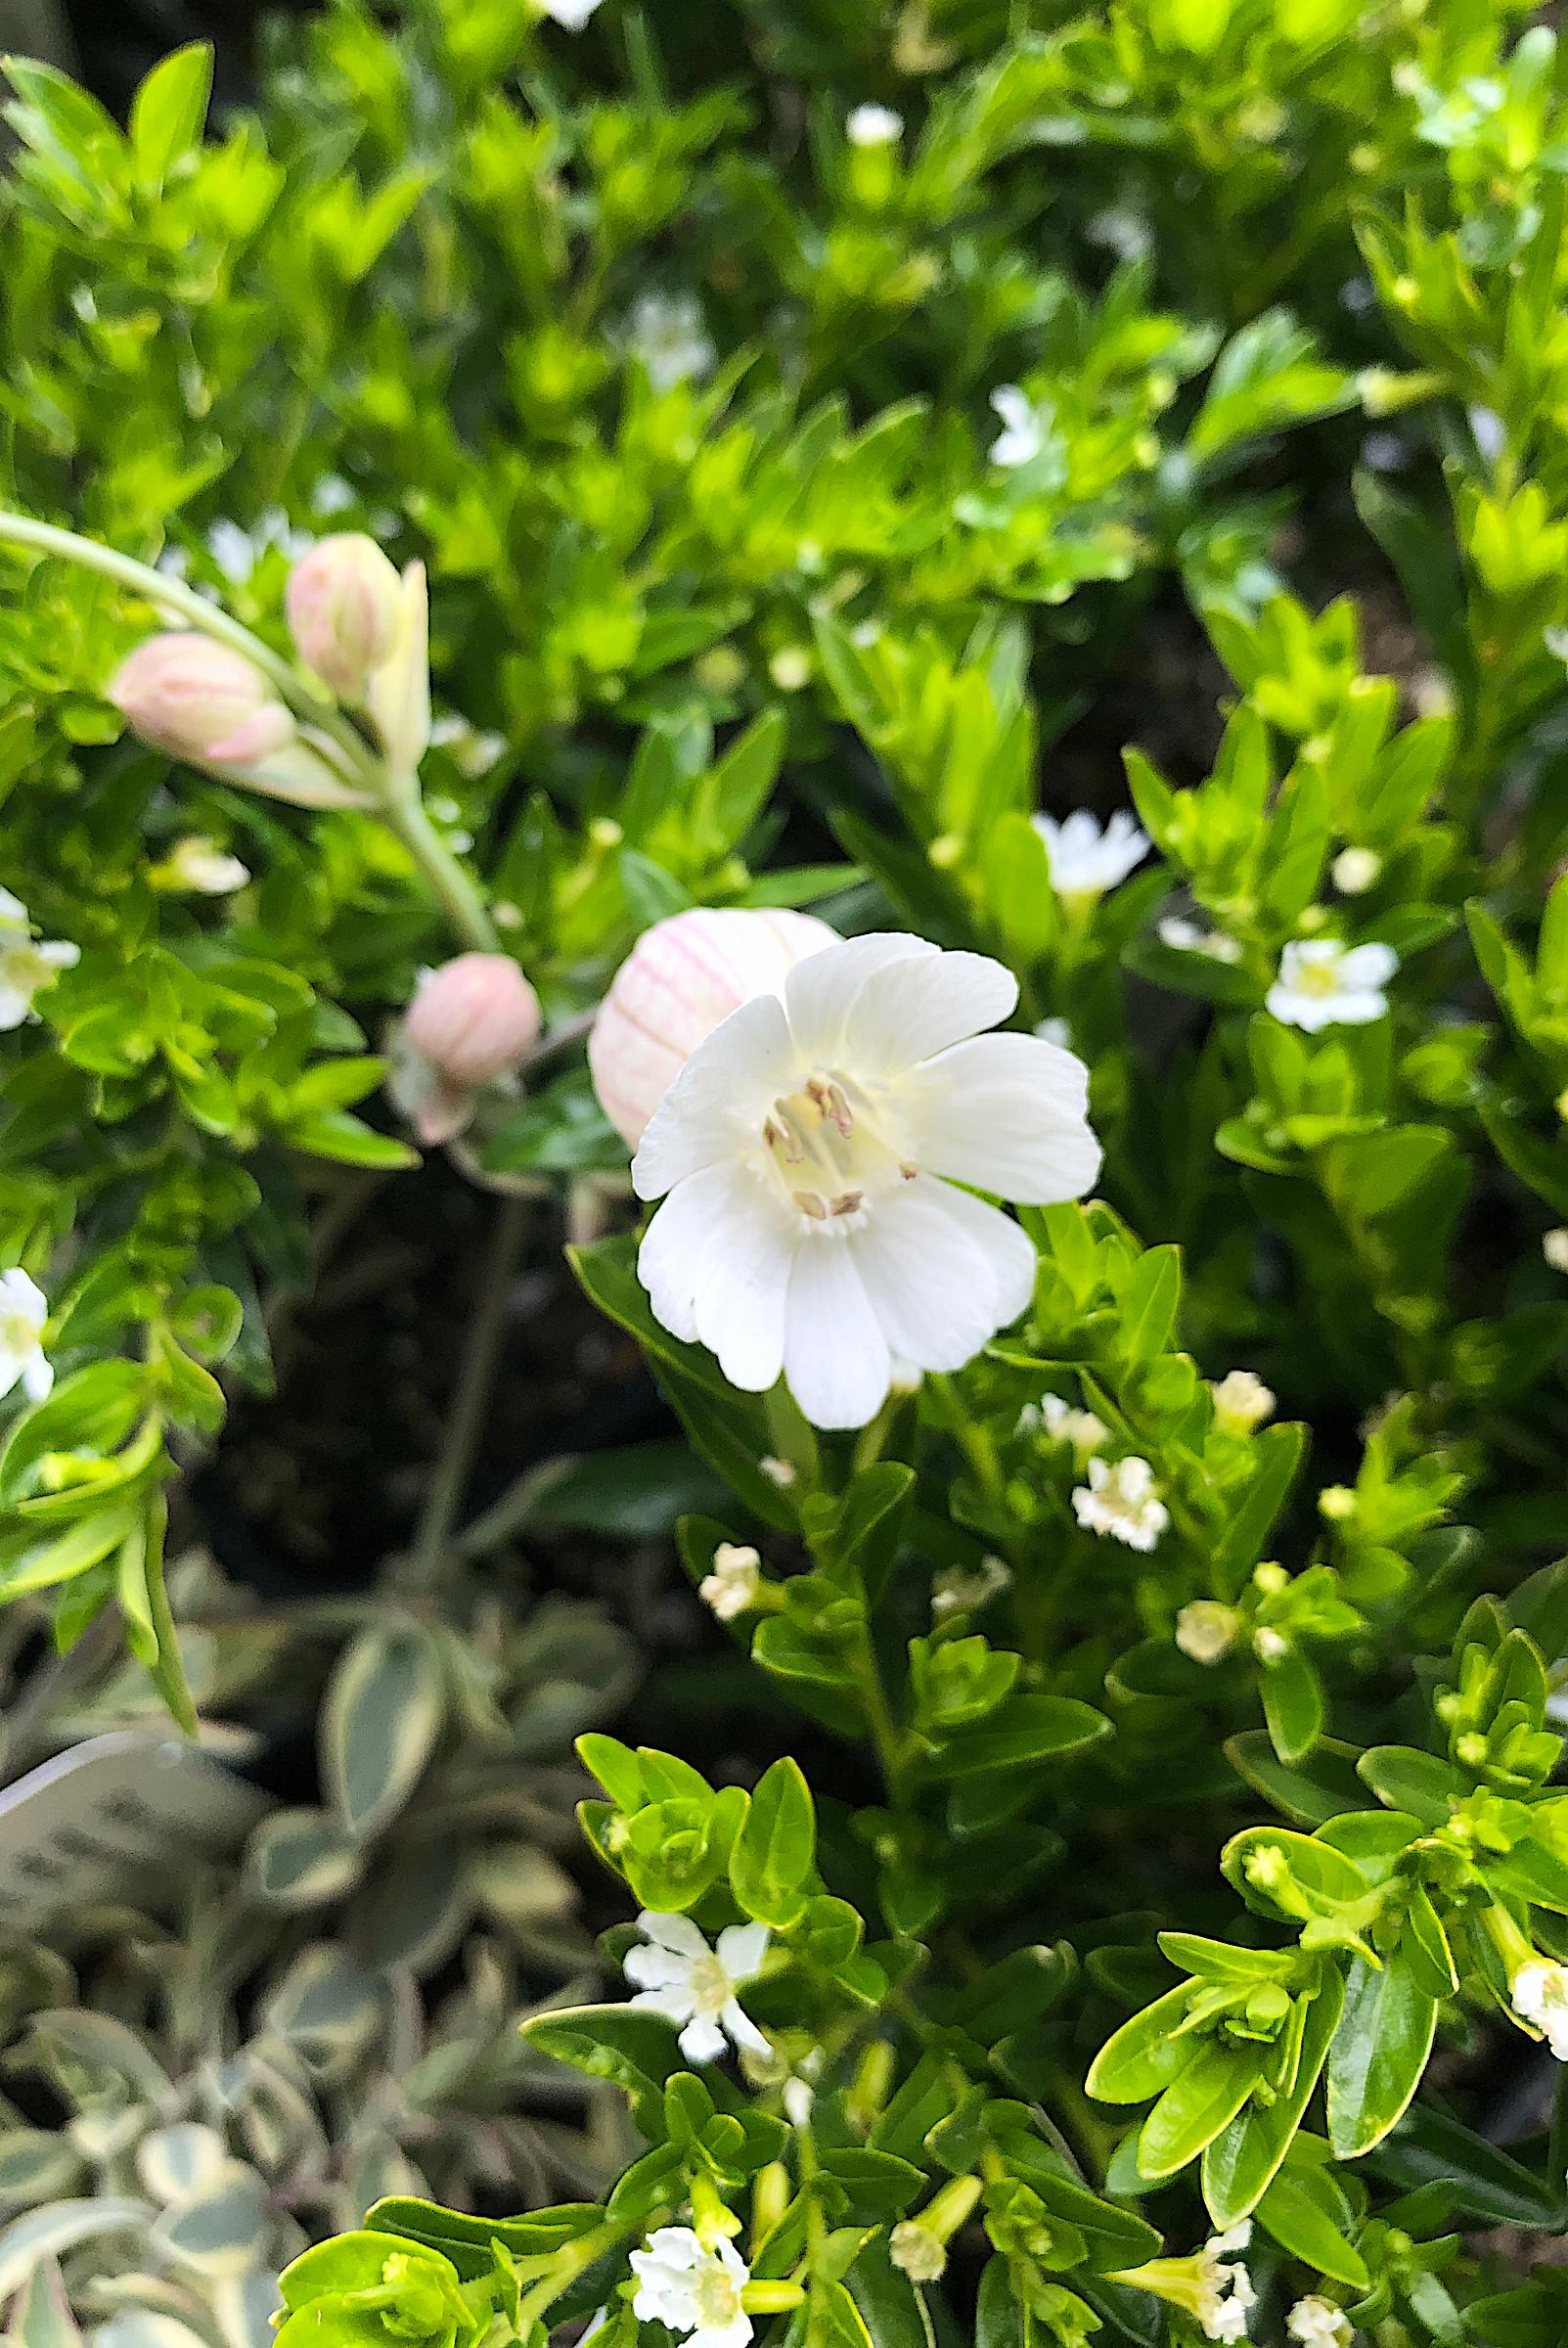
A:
(27, 965)
(874, 127)
(778, 1471)
(1023, 427)
(692, 2290)
(24, 1310)
(1227, 2290)
(1353, 871)
(669, 334)
(1269, 1645)
(1205, 1630)
(1540, 1993)
(1555, 1248)
(1122, 1501)
(1241, 1402)
(197, 864)
(732, 1587)
(1055, 1030)
(572, 14)
(810, 1153)
(1185, 937)
(954, 1591)
(1317, 2324)
(799, 2098)
(917, 2252)
(1080, 1428)
(677, 1974)
(1086, 861)
(1323, 983)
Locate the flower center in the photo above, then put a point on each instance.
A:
(710, 1985)
(19, 1332)
(717, 2295)
(826, 1150)
(1319, 978)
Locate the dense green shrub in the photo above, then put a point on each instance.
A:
(832, 435)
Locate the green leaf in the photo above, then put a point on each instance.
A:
(168, 111)
(775, 1852)
(1204, 2099)
(1025, 1729)
(1292, 1703)
(1240, 2165)
(381, 1715)
(1143, 2057)
(1379, 2051)
(625, 2044)
(1306, 2213)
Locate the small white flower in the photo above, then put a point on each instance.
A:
(24, 1310)
(669, 334)
(1353, 871)
(1540, 1993)
(1086, 861)
(677, 1974)
(197, 864)
(1555, 1248)
(1227, 2291)
(26, 967)
(874, 127)
(1206, 1630)
(1080, 1428)
(692, 2290)
(1122, 1501)
(1318, 2324)
(954, 1591)
(809, 1153)
(917, 2252)
(1270, 1645)
(1323, 983)
(1057, 1031)
(790, 667)
(778, 1471)
(798, 2098)
(573, 14)
(1023, 427)
(1185, 937)
(1241, 1402)
(732, 1587)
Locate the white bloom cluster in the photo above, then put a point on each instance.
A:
(1227, 2290)
(1080, 1428)
(693, 2288)
(23, 1311)
(1324, 983)
(27, 965)
(1540, 1993)
(1087, 861)
(1206, 1629)
(677, 1974)
(809, 1153)
(1122, 1501)
(1241, 1402)
(1317, 2324)
(733, 1585)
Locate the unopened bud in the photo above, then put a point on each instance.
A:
(683, 977)
(475, 1019)
(345, 602)
(201, 702)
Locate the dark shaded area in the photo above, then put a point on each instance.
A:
(116, 40)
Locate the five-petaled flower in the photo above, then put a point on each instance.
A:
(733, 1585)
(677, 1974)
(26, 965)
(1024, 426)
(23, 1311)
(1540, 1993)
(1122, 1500)
(693, 2289)
(808, 1154)
(1318, 2324)
(1086, 861)
(1325, 983)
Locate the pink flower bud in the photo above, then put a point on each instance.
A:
(683, 977)
(344, 605)
(473, 1019)
(196, 699)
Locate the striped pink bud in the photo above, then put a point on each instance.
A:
(346, 602)
(475, 1019)
(683, 977)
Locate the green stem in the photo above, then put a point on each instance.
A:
(469, 1404)
(449, 884)
(572, 2260)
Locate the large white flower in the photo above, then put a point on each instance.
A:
(1086, 861)
(27, 965)
(677, 1974)
(694, 2290)
(1122, 1501)
(810, 1148)
(1023, 427)
(1540, 1993)
(24, 1310)
(1324, 983)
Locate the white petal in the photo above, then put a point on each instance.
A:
(1006, 1114)
(15, 1005)
(931, 1285)
(671, 1260)
(819, 992)
(903, 1014)
(673, 1931)
(673, 2003)
(652, 1967)
(743, 1278)
(1008, 1250)
(37, 1378)
(1372, 965)
(721, 1095)
(1355, 1007)
(740, 1949)
(734, 2335)
(836, 1359)
(701, 2040)
(742, 2029)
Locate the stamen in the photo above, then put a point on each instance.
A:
(847, 1202)
(810, 1204)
